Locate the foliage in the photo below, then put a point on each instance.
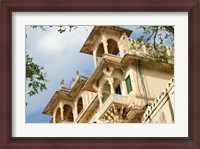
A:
(61, 29)
(163, 57)
(35, 76)
(157, 34)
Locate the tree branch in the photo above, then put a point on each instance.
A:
(170, 29)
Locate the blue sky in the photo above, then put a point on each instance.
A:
(59, 55)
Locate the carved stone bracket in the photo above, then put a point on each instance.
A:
(108, 70)
(114, 115)
(95, 86)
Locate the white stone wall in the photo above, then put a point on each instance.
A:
(155, 81)
(162, 109)
(164, 114)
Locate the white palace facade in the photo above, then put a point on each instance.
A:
(131, 83)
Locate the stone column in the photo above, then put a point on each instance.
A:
(121, 47)
(75, 111)
(61, 111)
(123, 89)
(100, 96)
(105, 44)
(54, 117)
(111, 81)
(95, 57)
(121, 53)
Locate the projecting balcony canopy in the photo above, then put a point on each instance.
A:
(65, 93)
(95, 35)
(57, 97)
(78, 84)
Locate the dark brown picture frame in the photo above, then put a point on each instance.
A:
(9, 6)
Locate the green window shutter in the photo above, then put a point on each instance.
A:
(128, 84)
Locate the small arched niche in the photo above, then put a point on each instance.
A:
(113, 47)
(80, 104)
(67, 113)
(117, 86)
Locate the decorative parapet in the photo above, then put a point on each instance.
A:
(63, 88)
(147, 50)
(150, 110)
(79, 78)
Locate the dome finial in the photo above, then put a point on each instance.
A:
(77, 72)
(62, 83)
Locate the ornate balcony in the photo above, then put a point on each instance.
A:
(114, 106)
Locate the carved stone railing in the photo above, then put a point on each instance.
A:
(169, 90)
(113, 98)
(147, 50)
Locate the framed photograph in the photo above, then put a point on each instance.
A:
(92, 74)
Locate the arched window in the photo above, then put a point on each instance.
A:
(100, 52)
(117, 86)
(80, 104)
(113, 47)
(67, 113)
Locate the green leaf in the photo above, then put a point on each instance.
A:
(35, 75)
(166, 36)
(140, 39)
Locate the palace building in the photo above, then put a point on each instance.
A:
(132, 83)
